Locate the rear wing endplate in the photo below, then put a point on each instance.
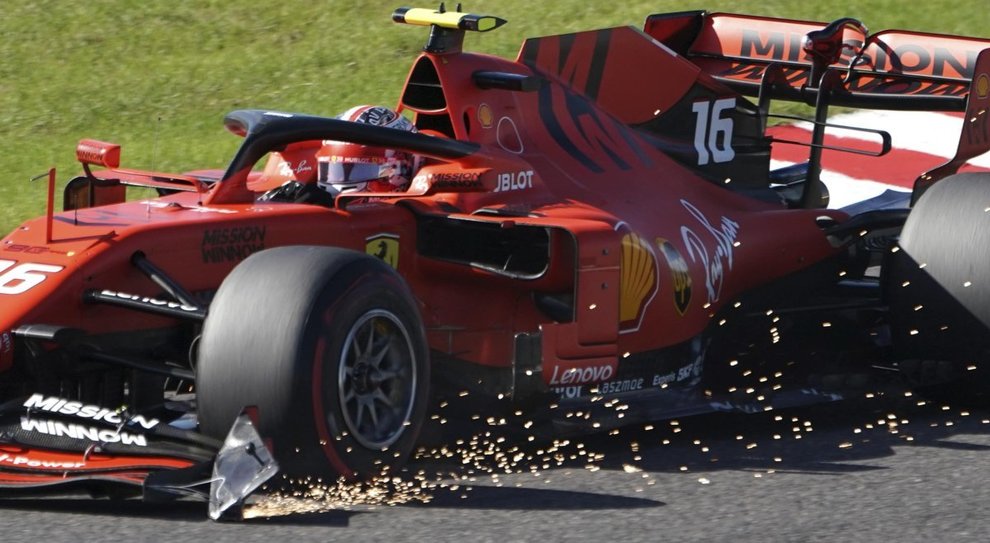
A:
(975, 137)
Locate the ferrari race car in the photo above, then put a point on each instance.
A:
(594, 238)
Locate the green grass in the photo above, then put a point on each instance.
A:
(158, 76)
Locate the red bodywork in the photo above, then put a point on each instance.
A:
(610, 213)
(633, 160)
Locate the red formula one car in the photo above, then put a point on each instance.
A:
(596, 220)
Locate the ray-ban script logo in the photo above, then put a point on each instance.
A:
(714, 262)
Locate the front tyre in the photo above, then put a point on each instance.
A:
(328, 345)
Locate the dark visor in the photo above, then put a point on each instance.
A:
(350, 172)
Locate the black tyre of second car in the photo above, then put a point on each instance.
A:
(328, 345)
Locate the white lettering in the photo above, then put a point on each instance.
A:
(147, 424)
(713, 263)
(54, 404)
(421, 183)
(568, 392)
(146, 299)
(31, 463)
(615, 387)
(713, 138)
(514, 181)
(33, 425)
(70, 408)
(89, 411)
(663, 379)
(80, 432)
(578, 376)
(23, 277)
(37, 401)
(691, 370)
(303, 167)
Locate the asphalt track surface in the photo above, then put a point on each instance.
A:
(865, 469)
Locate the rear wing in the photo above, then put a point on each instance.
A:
(891, 69)
(840, 63)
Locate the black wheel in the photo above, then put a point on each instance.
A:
(937, 285)
(328, 345)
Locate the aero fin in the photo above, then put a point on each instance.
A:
(243, 464)
(974, 139)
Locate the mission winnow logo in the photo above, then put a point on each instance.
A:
(62, 406)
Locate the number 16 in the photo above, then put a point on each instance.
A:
(24, 277)
(707, 132)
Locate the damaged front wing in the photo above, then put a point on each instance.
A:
(45, 449)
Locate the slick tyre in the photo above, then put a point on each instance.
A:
(937, 285)
(329, 347)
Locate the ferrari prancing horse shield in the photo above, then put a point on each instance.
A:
(384, 247)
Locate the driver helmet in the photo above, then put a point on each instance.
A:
(351, 167)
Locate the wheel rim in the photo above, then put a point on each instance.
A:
(377, 379)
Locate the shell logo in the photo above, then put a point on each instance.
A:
(637, 280)
(982, 86)
(485, 116)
